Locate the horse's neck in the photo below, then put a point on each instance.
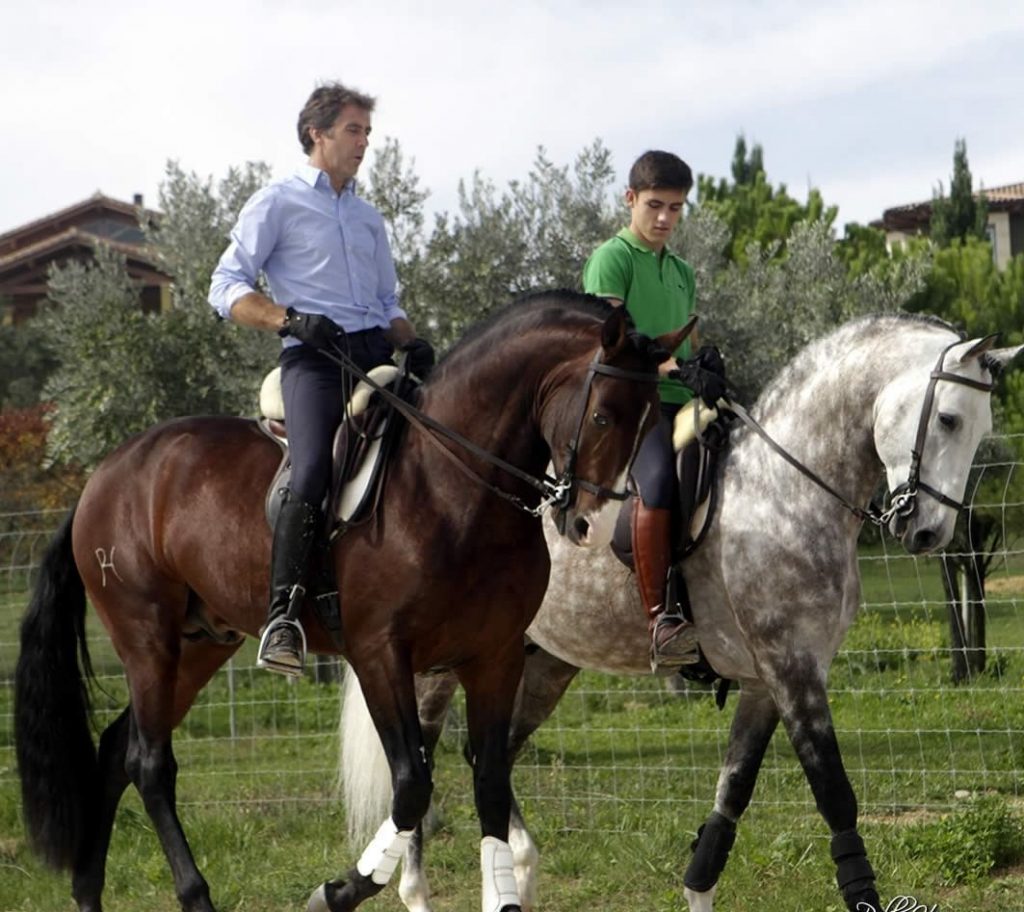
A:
(826, 421)
(497, 403)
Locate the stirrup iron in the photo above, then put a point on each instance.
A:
(671, 661)
(293, 671)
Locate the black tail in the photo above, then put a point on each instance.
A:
(52, 732)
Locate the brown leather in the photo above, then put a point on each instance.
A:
(652, 528)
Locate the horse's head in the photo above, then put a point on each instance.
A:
(607, 418)
(928, 423)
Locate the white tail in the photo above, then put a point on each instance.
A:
(365, 775)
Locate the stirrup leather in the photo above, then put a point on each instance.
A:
(294, 671)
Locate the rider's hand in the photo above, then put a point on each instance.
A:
(704, 373)
(314, 330)
(421, 357)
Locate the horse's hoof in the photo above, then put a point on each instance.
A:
(318, 900)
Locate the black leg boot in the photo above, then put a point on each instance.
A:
(283, 644)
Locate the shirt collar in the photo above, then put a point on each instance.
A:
(637, 244)
(310, 174)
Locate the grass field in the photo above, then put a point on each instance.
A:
(614, 786)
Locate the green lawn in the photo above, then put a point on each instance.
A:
(614, 786)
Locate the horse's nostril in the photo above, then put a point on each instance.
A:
(581, 526)
(924, 540)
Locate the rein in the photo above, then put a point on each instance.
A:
(554, 492)
(904, 497)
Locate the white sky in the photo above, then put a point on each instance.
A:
(861, 99)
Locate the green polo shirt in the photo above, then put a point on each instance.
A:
(658, 290)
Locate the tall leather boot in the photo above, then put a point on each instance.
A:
(283, 644)
(673, 638)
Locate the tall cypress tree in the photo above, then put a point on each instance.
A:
(960, 215)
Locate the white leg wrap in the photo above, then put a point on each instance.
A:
(499, 888)
(413, 889)
(526, 859)
(700, 902)
(381, 856)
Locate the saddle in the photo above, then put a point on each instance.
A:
(359, 450)
(698, 437)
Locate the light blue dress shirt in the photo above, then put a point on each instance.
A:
(322, 252)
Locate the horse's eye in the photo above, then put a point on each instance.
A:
(949, 422)
(600, 420)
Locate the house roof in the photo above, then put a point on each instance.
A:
(913, 216)
(69, 215)
(68, 238)
(1007, 193)
(27, 251)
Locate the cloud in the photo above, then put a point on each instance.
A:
(105, 93)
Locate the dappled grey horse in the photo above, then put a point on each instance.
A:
(775, 585)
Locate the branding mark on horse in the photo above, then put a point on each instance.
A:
(105, 565)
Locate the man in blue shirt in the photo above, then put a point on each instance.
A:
(327, 262)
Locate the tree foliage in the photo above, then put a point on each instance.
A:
(762, 313)
(755, 212)
(959, 216)
(770, 277)
(122, 370)
(535, 233)
(27, 483)
(26, 360)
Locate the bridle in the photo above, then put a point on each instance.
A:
(555, 492)
(903, 499)
(568, 485)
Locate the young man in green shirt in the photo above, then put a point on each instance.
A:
(634, 269)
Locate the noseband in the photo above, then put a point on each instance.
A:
(565, 488)
(903, 498)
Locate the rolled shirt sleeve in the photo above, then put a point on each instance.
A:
(252, 240)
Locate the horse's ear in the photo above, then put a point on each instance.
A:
(615, 330)
(984, 349)
(979, 347)
(671, 341)
(1003, 356)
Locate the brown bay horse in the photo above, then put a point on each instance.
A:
(170, 528)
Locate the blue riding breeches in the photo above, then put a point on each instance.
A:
(654, 467)
(314, 388)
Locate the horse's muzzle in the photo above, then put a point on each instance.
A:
(919, 536)
(590, 529)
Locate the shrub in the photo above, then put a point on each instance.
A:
(970, 842)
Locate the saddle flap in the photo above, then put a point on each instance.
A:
(698, 435)
(357, 456)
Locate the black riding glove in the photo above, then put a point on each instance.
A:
(421, 357)
(704, 373)
(314, 330)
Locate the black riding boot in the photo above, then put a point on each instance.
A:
(283, 644)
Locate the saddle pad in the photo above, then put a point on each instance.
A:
(690, 422)
(272, 400)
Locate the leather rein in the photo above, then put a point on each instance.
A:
(903, 497)
(558, 492)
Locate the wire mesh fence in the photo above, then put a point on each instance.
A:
(912, 739)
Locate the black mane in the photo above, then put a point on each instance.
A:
(532, 311)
